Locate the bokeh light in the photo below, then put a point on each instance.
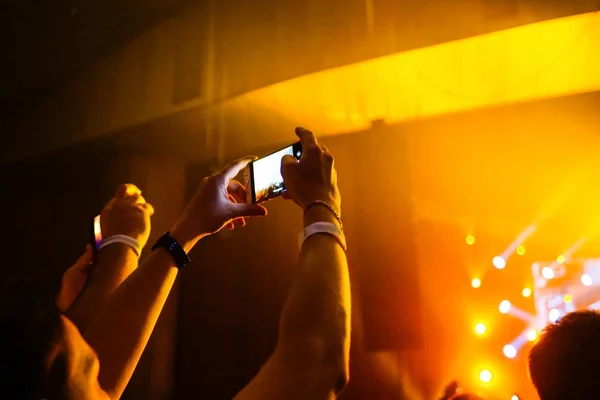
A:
(554, 315)
(470, 240)
(547, 272)
(526, 292)
(499, 262)
(515, 397)
(521, 250)
(480, 328)
(568, 299)
(586, 280)
(560, 259)
(485, 376)
(510, 351)
(504, 307)
(476, 282)
(532, 335)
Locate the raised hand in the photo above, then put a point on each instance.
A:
(219, 202)
(127, 213)
(314, 177)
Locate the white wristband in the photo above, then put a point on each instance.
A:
(134, 244)
(322, 227)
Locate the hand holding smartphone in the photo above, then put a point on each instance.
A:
(263, 176)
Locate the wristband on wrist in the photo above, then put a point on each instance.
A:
(327, 206)
(173, 247)
(324, 228)
(128, 240)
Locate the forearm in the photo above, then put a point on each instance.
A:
(122, 329)
(112, 266)
(317, 311)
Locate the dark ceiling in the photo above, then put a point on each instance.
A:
(45, 42)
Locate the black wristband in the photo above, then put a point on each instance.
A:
(173, 247)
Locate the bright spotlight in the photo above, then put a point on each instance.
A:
(470, 240)
(504, 307)
(521, 250)
(510, 351)
(554, 315)
(568, 299)
(532, 335)
(560, 259)
(526, 292)
(547, 272)
(499, 262)
(480, 328)
(586, 280)
(515, 397)
(485, 376)
(476, 282)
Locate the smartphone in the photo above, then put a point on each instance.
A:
(263, 176)
(97, 234)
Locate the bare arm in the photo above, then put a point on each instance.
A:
(312, 354)
(121, 331)
(123, 327)
(127, 213)
(311, 359)
(112, 266)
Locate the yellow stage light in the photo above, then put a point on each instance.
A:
(521, 250)
(476, 282)
(470, 240)
(560, 259)
(480, 328)
(532, 335)
(568, 298)
(485, 376)
(526, 292)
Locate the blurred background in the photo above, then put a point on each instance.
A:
(466, 136)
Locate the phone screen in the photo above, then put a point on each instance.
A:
(265, 174)
(97, 238)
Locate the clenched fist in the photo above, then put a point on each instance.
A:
(127, 213)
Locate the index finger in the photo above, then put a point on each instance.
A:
(230, 171)
(307, 138)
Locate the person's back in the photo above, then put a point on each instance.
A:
(563, 365)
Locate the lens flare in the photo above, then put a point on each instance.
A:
(499, 262)
(504, 307)
(510, 351)
(547, 272)
(485, 376)
(470, 240)
(480, 329)
(532, 335)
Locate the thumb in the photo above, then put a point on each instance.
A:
(241, 210)
(288, 162)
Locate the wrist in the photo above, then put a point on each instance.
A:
(185, 236)
(319, 213)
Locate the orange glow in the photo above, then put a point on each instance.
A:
(470, 240)
(521, 250)
(476, 283)
(542, 60)
(526, 292)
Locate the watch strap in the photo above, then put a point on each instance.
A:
(172, 246)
